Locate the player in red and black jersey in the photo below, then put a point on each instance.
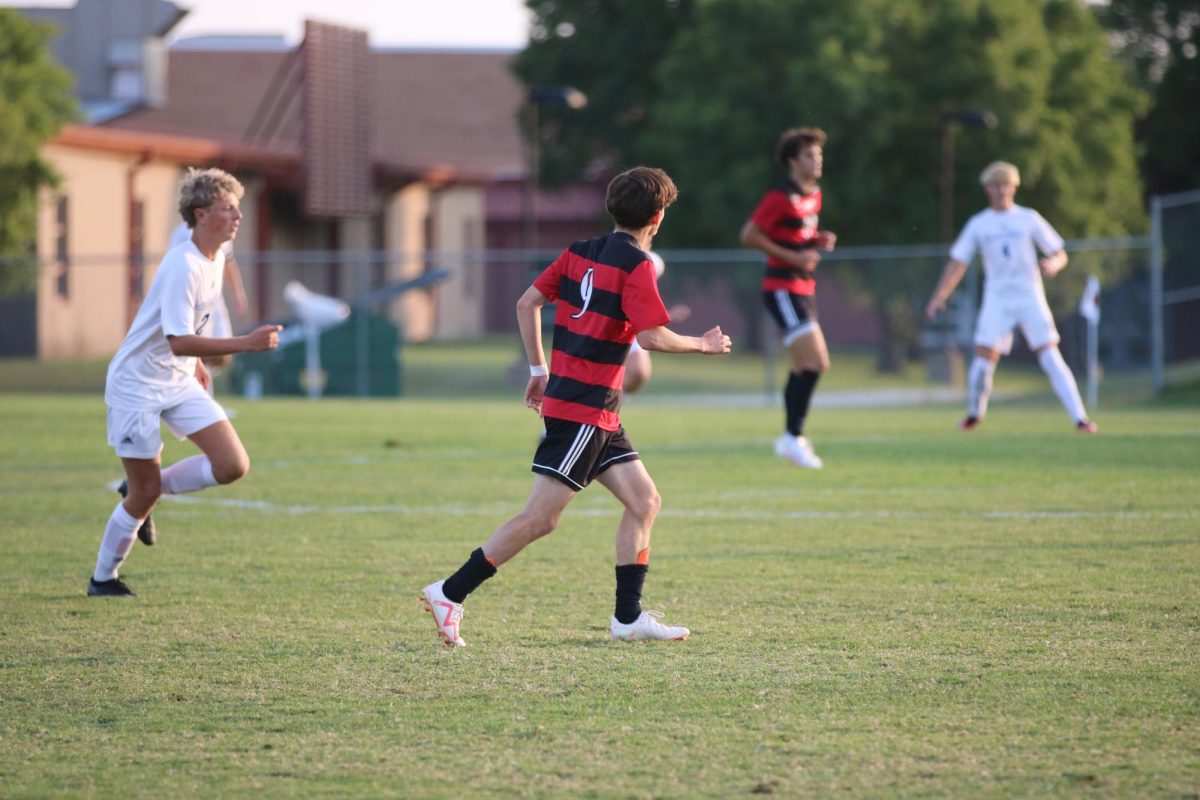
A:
(607, 296)
(784, 226)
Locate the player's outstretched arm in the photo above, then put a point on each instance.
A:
(665, 340)
(756, 237)
(264, 337)
(951, 274)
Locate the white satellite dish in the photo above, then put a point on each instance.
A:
(316, 312)
(315, 309)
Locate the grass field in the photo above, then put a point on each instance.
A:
(1013, 612)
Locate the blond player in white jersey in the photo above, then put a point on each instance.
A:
(158, 376)
(1008, 238)
(222, 325)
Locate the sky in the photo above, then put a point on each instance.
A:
(499, 24)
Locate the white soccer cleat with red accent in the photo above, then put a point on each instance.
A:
(646, 628)
(447, 614)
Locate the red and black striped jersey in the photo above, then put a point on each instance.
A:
(606, 294)
(789, 218)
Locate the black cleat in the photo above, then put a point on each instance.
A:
(147, 535)
(114, 588)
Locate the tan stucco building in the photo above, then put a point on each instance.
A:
(435, 143)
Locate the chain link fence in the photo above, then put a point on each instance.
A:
(1174, 282)
(870, 298)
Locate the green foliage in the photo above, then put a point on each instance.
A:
(877, 75)
(609, 51)
(1160, 40)
(35, 102)
(723, 78)
(1010, 613)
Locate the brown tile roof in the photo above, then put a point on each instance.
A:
(447, 113)
(453, 109)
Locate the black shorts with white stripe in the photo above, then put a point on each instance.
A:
(575, 453)
(795, 314)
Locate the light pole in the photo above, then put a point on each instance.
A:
(967, 118)
(567, 96)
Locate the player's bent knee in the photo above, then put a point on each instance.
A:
(142, 497)
(647, 505)
(232, 470)
(537, 524)
(545, 525)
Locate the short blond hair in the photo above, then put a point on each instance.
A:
(203, 187)
(1000, 172)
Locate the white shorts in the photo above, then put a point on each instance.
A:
(1000, 314)
(137, 433)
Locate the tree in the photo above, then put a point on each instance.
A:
(877, 75)
(609, 50)
(1160, 40)
(35, 102)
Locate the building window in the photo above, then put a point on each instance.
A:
(62, 253)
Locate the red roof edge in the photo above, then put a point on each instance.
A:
(170, 147)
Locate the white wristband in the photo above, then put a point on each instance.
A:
(538, 370)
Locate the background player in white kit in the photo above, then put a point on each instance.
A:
(1006, 234)
(158, 376)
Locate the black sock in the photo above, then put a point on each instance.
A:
(477, 570)
(630, 578)
(796, 397)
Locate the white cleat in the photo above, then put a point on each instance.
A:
(447, 614)
(646, 628)
(798, 451)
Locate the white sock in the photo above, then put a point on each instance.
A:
(119, 534)
(1063, 382)
(189, 475)
(979, 386)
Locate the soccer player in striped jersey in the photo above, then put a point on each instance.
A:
(784, 227)
(1008, 237)
(607, 297)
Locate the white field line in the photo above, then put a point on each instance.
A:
(523, 455)
(466, 510)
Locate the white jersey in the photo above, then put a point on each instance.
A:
(1005, 241)
(145, 374)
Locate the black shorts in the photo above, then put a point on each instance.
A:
(795, 314)
(575, 453)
